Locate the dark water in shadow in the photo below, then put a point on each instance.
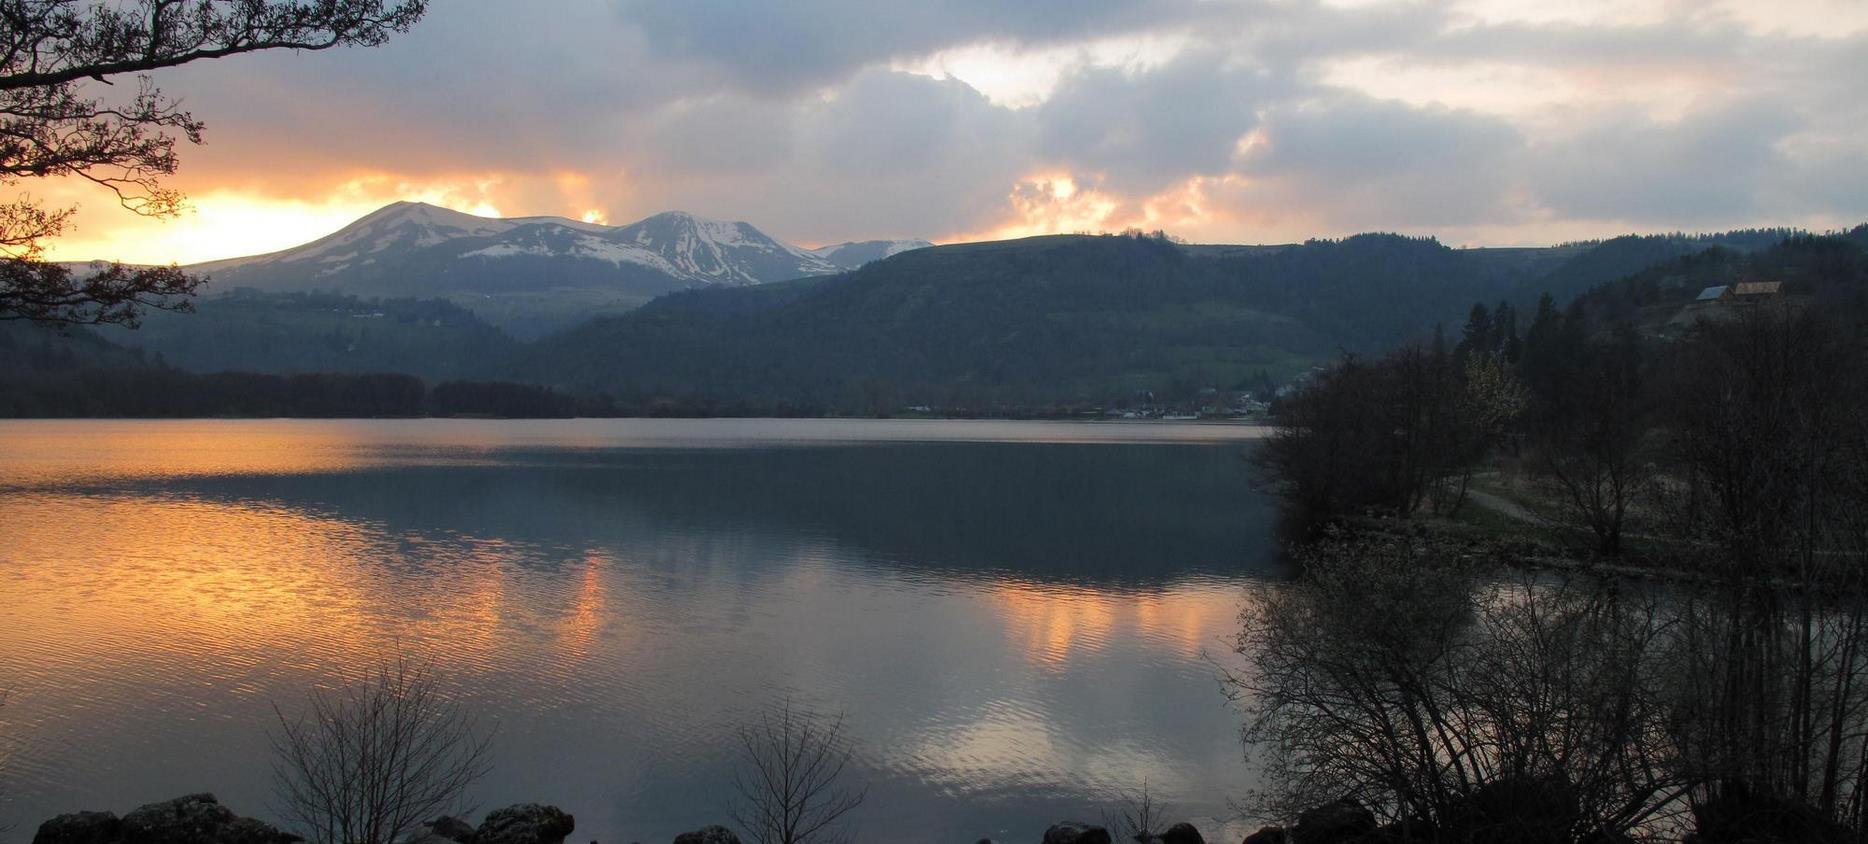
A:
(1013, 616)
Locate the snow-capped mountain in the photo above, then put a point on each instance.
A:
(534, 274)
(849, 256)
(720, 252)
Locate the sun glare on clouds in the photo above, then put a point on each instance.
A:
(218, 224)
(230, 222)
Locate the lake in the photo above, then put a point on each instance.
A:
(1017, 618)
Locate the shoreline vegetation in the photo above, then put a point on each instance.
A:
(389, 757)
(1604, 580)
(161, 393)
(202, 819)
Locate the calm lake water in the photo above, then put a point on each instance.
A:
(1014, 616)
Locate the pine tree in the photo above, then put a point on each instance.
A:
(1477, 336)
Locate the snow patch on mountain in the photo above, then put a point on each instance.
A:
(535, 274)
(849, 256)
(583, 246)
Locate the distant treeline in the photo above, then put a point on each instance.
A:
(169, 393)
(161, 392)
(1587, 398)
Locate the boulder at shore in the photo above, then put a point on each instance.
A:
(1268, 835)
(528, 823)
(1340, 822)
(201, 819)
(708, 835)
(1075, 832)
(1181, 833)
(450, 828)
(194, 819)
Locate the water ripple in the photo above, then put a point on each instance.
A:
(170, 584)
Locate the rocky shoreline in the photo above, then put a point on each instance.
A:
(202, 819)
(1738, 817)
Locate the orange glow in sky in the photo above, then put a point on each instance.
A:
(1043, 130)
(230, 223)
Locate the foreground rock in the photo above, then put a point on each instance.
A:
(708, 835)
(1075, 832)
(1736, 815)
(526, 823)
(1181, 833)
(1268, 835)
(1334, 823)
(450, 828)
(80, 828)
(194, 819)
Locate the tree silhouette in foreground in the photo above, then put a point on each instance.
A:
(791, 787)
(52, 125)
(1409, 678)
(376, 757)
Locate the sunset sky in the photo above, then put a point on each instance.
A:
(1480, 121)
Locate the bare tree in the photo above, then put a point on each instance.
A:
(1392, 435)
(1140, 817)
(1590, 436)
(790, 786)
(51, 124)
(1410, 680)
(1767, 445)
(375, 757)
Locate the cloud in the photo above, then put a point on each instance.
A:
(1356, 163)
(1706, 169)
(888, 154)
(1144, 131)
(784, 47)
(825, 120)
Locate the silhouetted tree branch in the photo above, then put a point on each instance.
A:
(46, 292)
(791, 787)
(376, 757)
(50, 125)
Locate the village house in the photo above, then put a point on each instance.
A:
(1717, 301)
(1754, 292)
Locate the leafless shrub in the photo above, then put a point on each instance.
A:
(1767, 449)
(1407, 678)
(1140, 818)
(375, 757)
(790, 785)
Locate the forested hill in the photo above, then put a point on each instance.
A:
(320, 332)
(1829, 272)
(1062, 318)
(1093, 320)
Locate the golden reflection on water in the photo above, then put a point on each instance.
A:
(130, 594)
(1050, 623)
(1030, 736)
(180, 575)
(44, 452)
(585, 619)
(35, 452)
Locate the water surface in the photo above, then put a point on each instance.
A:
(1014, 616)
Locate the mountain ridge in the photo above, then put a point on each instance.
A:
(1064, 318)
(530, 275)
